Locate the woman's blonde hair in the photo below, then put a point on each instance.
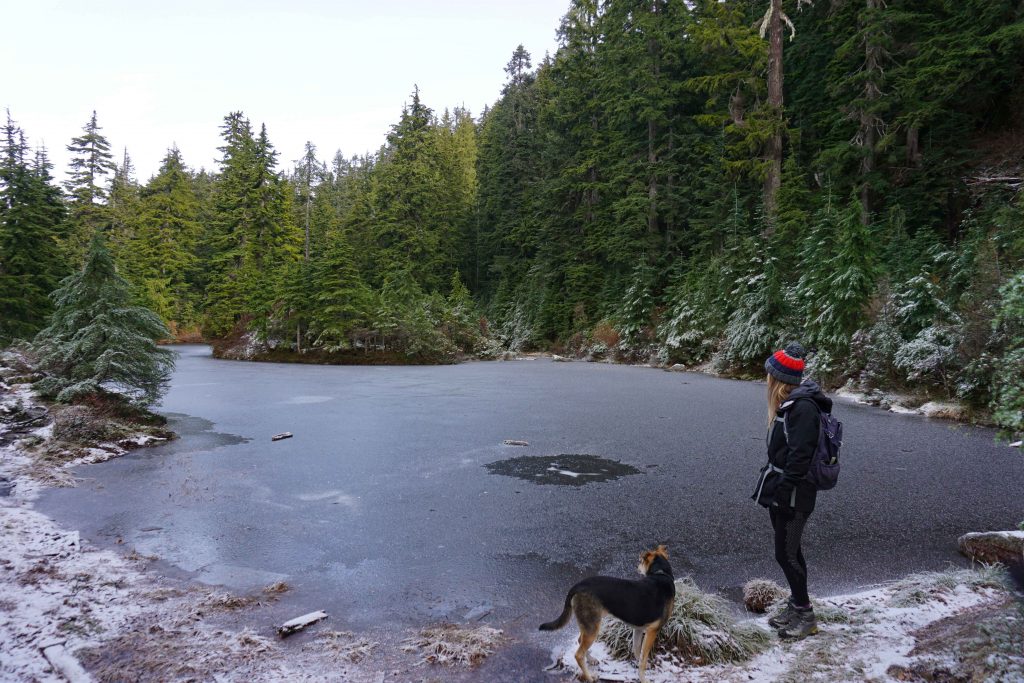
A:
(777, 393)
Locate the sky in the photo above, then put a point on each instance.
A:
(335, 73)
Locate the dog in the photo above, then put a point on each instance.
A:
(644, 604)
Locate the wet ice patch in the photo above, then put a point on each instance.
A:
(562, 470)
(303, 400)
(238, 577)
(334, 497)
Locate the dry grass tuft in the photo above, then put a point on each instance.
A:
(345, 644)
(606, 334)
(918, 589)
(760, 594)
(276, 588)
(228, 601)
(454, 645)
(701, 629)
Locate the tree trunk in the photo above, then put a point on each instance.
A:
(869, 121)
(773, 179)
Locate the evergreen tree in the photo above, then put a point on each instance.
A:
(123, 211)
(86, 187)
(412, 221)
(98, 343)
(31, 213)
(162, 251)
(253, 237)
(343, 304)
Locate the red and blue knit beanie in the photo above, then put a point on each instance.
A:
(787, 365)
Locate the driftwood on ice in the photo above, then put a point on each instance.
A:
(282, 435)
(299, 623)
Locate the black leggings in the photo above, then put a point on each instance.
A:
(789, 527)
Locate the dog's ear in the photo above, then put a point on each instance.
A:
(662, 550)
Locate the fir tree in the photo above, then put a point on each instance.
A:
(31, 212)
(162, 251)
(98, 343)
(86, 187)
(253, 236)
(342, 302)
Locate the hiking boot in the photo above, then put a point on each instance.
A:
(782, 619)
(802, 624)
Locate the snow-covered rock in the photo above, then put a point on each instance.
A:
(993, 546)
(944, 409)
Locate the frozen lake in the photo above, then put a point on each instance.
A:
(396, 503)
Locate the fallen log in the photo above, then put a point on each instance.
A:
(515, 442)
(298, 623)
(64, 664)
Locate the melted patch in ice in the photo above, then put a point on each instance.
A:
(303, 400)
(562, 470)
(334, 497)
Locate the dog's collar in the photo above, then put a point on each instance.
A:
(659, 571)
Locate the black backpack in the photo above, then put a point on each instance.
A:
(824, 469)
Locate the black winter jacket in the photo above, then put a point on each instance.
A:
(783, 481)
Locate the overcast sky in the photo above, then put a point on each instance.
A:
(334, 72)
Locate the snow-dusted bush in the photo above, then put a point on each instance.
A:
(693, 320)
(633, 319)
(873, 350)
(757, 327)
(515, 331)
(824, 368)
(1008, 389)
(930, 357)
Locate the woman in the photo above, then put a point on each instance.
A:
(793, 427)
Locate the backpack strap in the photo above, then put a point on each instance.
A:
(784, 409)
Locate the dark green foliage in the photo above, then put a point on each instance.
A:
(87, 191)
(621, 192)
(97, 342)
(252, 232)
(160, 256)
(1008, 387)
(31, 214)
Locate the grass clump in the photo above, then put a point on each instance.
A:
(918, 589)
(760, 594)
(454, 645)
(701, 629)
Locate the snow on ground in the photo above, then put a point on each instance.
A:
(861, 637)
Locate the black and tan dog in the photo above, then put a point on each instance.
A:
(644, 604)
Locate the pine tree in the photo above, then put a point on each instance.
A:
(412, 221)
(123, 211)
(162, 251)
(86, 186)
(98, 343)
(343, 304)
(253, 237)
(31, 213)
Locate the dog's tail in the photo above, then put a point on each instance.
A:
(563, 618)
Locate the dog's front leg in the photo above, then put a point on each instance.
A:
(645, 652)
(638, 639)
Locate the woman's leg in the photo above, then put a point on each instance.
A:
(789, 527)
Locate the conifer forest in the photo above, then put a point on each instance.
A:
(680, 182)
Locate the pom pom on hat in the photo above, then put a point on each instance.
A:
(787, 365)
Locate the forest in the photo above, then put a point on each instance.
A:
(686, 183)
